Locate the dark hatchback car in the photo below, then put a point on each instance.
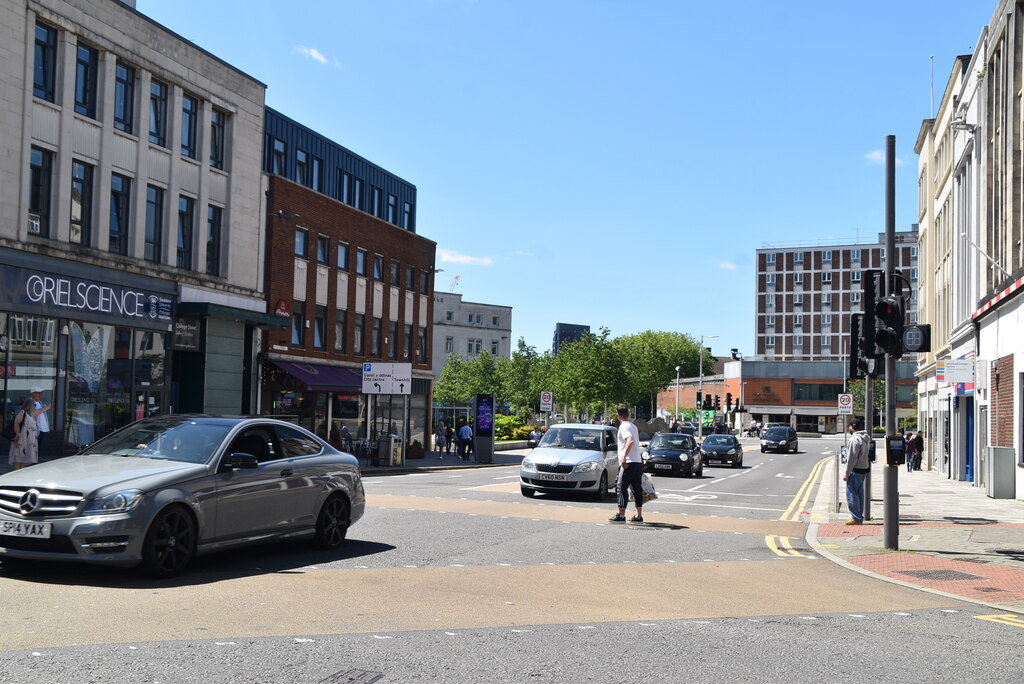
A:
(672, 453)
(779, 439)
(722, 449)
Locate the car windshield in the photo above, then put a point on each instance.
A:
(718, 440)
(671, 442)
(174, 440)
(571, 438)
(776, 433)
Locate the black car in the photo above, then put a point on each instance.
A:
(779, 438)
(673, 453)
(722, 449)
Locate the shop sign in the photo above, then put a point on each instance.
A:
(56, 295)
(186, 334)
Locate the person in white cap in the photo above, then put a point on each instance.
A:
(42, 424)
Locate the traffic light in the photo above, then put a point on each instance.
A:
(700, 403)
(889, 315)
(855, 371)
(708, 405)
(718, 403)
(728, 401)
(917, 338)
(872, 284)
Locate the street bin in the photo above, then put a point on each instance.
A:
(389, 453)
(1000, 473)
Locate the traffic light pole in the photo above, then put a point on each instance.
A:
(891, 515)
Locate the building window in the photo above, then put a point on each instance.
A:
(410, 278)
(798, 257)
(361, 262)
(769, 280)
(449, 345)
(344, 186)
(120, 206)
(855, 297)
(769, 258)
(407, 354)
(45, 67)
(407, 215)
(913, 274)
(357, 193)
(320, 328)
(826, 320)
(798, 300)
(301, 243)
(315, 174)
(186, 221)
(218, 135)
(124, 98)
(826, 256)
(494, 321)
(798, 278)
(798, 321)
(323, 249)
(494, 347)
(393, 340)
(39, 194)
(474, 346)
(341, 331)
(81, 203)
(855, 255)
(86, 68)
(424, 282)
(392, 209)
(855, 276)
(449, 316)
(375, 338)
(826, 299)
(358, 334)
(769, 341)
(154, 223)
(423, 345)
(342, 256)
(826, 278)
(378, 267)
(213, 222)
(158, 113)
(396, 273)
(375, 207)
(769, 301)
(913, 252)
(798, 341)
(278, 157)
(882, 253)
(189, 114)
(826, 341)
(298, 324)
(770, 322)
(301, 168)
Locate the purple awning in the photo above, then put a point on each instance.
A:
(320, 378)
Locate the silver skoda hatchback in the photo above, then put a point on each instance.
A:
(572, 457)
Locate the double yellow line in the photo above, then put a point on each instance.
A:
(803, 495)
(787, 546)
(1013, 620)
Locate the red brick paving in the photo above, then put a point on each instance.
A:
(997, 583)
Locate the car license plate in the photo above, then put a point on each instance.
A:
(550, 476)
(716, 460)
(663, 465)
(13, 528)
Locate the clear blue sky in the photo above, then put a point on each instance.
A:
(609, 163)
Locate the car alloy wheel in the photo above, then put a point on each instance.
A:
(170, 543)
(332, 523)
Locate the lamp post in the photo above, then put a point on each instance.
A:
(677, 394)
(700, 387)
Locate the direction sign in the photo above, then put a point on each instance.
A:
(387, 378)
(547, 401)
(846, 404)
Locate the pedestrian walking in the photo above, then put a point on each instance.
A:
(631, 468)
(857, 468)
(918, 449)
(42, 424)
(25, 445)
(449, 434)
(441, 437)
(465, 441)
(908, 442)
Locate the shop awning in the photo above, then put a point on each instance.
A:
(222, 311)
(321, 378)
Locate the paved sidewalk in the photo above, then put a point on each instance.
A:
(438, 460)
(953, 539)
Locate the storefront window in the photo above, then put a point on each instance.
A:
(98, 381)
(27, 354)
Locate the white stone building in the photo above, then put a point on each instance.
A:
(468, 328)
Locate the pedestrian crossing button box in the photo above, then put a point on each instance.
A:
(895, 450)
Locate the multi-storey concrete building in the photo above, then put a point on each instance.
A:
(469, 328)
(131, 235)
(567, 332)
(805, 295)
(353, 281)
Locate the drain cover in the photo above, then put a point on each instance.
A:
(940, 575)
(366, 676)
(988, 589)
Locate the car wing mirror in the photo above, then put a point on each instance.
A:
(242, 461)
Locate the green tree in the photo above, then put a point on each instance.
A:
(650, 359)
(516, 376)
(589, 372)
(454, 384)
(857, 389)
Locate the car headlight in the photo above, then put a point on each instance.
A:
(732, 452)
(586, 467)
(645, 454)
(527, 464)
(118, 502)
(684, 457)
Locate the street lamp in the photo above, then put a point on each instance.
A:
(700, 387)
(677, 394)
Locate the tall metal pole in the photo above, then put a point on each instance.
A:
(891, 516)
(677, 394)
(869, 427)
(700, 393)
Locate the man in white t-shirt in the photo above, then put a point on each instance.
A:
(631, 468)
(42, 424)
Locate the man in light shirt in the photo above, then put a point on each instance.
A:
(42, 424)
(631, 468)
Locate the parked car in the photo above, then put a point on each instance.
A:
(673, 454)
(722, 449)
(779, 438)
(158, 492)
(572, 457)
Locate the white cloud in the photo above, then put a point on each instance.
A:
(877, 157)
(727, 266)
(524, 254)
(315, 55)
(448, 256)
